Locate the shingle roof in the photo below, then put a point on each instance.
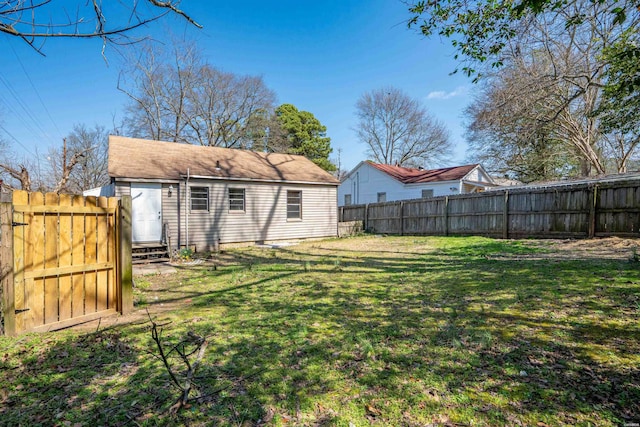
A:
(145, 159)
(415, 176)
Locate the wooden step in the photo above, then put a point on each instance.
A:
(151, 253)
(149, 260)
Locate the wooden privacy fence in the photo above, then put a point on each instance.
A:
(576, 211)
(65, 260)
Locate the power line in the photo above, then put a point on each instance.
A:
(26, 73)
(17, 141)
(31, 123)
(14, 103)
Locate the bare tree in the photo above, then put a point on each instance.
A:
(158, 91)
(509, 131)
(29, 175)
(34, 21)
(227, 108)
(63, 166)
(399, 130)
(179, 97)
(84, 165)
(542, 103)
(20, 173)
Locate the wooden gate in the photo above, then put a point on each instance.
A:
(66, 261)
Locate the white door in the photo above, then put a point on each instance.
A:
(146, 212)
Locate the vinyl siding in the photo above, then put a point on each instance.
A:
(264, 218)
(366, 182)
(123, 189)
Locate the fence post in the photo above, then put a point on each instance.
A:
(446, 215)
(126, 268)
(366, 217)
(402, 218)
(593, 200)
(7, 299)
(505, 216)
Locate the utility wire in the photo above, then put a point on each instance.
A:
(16, 100)
(26, 73)
(14, 103)
(17, 141)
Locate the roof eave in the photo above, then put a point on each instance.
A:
(348, 175)
(435, 182)
(273, 181)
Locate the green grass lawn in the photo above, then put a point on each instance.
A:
(393, 331)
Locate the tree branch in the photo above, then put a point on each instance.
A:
(30, 30)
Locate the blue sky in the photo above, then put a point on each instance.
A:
(319, 56)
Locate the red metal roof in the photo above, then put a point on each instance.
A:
(414, 175)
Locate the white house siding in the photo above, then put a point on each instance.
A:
(366, 182)
(477, 175)
(264, 218)
(474, 175)
(444, 188)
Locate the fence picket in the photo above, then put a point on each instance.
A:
(575, 211)
(102, 240)
(65, 246)
(90, 257)
(20, 253)
(51, 237)
(77, 257)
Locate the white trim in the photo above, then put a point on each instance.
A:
(149, 180)
(422, 184)
(273, 181)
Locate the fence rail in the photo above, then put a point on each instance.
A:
(575, 211)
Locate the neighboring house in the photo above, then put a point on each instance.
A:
(234, 195)
(372, 182)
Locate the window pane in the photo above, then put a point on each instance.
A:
(236, 199)
(382, 197)
(427, 193)
(199, 198)
(347, 199)
(294, 204)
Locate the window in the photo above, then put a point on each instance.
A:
(236, 200)
(294, 204)
(199, 198)
(347, 199)
(427, 193)
(382, 197)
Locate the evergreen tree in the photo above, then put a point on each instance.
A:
(300, 132)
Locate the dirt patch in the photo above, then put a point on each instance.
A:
(578, 249)
(601, 248)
